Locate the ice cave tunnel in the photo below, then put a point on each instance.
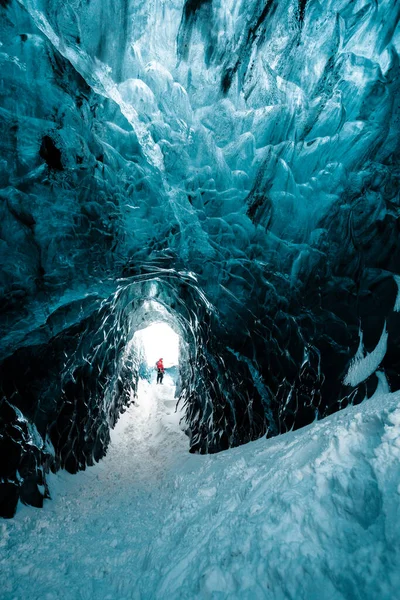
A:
(227, 168)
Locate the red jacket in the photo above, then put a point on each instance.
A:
(160, 366)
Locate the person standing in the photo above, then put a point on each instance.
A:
(160, 370)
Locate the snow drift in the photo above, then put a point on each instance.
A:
(309, 514)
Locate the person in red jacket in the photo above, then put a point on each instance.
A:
(160, 370)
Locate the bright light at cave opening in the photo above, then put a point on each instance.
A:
(159, 341)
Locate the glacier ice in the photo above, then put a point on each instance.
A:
(364, 365)
(235, 165)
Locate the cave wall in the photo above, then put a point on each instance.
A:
(238, 161)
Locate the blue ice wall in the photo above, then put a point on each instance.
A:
(237, 159)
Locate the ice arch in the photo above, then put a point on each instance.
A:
(62, 418)
(237, 162)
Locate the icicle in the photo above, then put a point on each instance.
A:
(364, 363)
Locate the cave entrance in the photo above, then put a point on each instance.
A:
(155, 421)
(156, 341)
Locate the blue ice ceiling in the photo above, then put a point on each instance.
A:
(233, 162)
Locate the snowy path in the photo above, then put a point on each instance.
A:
(91, 540)
(313, 514)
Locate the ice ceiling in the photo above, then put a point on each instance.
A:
(235, 163)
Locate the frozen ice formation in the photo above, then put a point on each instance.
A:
(228, 166)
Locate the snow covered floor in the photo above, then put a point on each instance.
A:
(313, 514)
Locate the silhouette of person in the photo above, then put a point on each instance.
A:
(160, 370)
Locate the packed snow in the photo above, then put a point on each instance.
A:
(312, 514)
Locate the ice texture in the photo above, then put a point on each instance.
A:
(363, 365)
(232, 163)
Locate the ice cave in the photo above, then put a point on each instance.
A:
(215, 182)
